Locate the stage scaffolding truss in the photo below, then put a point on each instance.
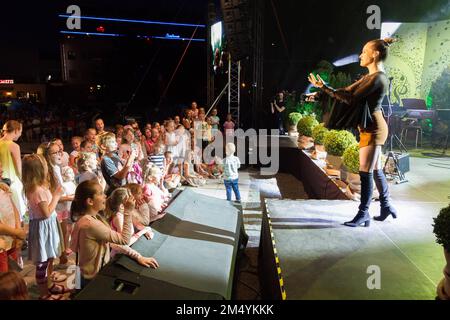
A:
(234, 90)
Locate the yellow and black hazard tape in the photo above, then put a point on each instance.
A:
(277, 259)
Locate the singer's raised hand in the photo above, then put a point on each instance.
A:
(316, 82)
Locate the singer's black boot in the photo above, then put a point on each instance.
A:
(363, 215)
(386, 208)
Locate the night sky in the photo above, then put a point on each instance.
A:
(313, 31)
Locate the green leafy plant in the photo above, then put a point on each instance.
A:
(336, 141)
(440, 91)
(294, 118)
(318, 134)
(306, 125)
(441, 228)
(350, 158)
(291, 103)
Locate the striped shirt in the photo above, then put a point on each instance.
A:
(231, 164)
(157, 160)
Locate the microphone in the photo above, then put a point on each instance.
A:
(391, 78)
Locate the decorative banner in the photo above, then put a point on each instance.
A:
(418, 59)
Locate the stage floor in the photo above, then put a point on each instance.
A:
(322, 259)
(325, 273)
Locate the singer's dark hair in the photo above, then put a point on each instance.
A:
(382, 46)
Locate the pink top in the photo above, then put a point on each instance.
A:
(40, 194)
(155, 195)
(117, 225)
(229, 128)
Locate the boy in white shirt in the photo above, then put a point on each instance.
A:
(231, 164)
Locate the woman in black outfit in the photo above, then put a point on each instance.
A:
(366, 96)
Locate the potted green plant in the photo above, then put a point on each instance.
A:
(293, 119)
(305, 127)
(336, 141)
(441, 229)
(350, 161)
(318, 134)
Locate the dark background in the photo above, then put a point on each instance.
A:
(312, 31)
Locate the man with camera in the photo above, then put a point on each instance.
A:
(278, 106)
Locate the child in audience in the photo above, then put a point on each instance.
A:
(76, 146)
(231, 164)
(54, 158)
(114, 213)
(152, 190)
(92, 234)
(189, 175)
(113, 170)
(146, 211)
(13, 286)
(229, 126)
(86, 146)
(172, 138)
(158, 158)
(44, 240)
(182, 146)
(215, 168)
(69, 188)
(88, 169)
(65, 156)
(172, 176)
(127, 148)
(86, 161)
(11, 233)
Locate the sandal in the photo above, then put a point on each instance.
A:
(58, 277)
(58, 289)
(51, 297)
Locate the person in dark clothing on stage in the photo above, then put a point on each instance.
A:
(365, 97)
(278, 106)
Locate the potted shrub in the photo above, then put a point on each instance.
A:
(336, 141)
(318, 134)
(305, 127)
(441, 229)
(293, 120)
(350, 161)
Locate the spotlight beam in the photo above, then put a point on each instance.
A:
(135, 21)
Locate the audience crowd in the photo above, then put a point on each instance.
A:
(95, 197)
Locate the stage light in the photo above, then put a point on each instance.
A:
(347, 60)
(243, 85)
(182, 39)
(9, 94)
(167, 37)
(388, 29)
(135, 21)
(101, 29)
(93, 33)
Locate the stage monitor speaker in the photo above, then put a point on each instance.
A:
(403, 162)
